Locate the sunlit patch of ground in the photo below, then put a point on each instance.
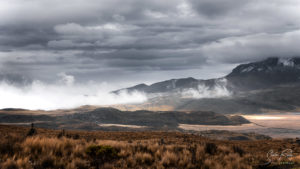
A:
(218, 127)
(144, 106)
(264, 117)
(276, 125)
(121, 125)
(287, 120)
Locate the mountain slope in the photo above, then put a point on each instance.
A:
(271, 84)
(256, 75)
(164, 86)
(263, 74)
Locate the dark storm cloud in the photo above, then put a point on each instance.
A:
(90, 38)
(152, 59)
(15, 37)
(214, 8)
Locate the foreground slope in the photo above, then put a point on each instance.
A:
(79, 149)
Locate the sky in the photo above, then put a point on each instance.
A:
(120, 43)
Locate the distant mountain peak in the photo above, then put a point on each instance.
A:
(269, 65)
(264, 74)
(141, 85)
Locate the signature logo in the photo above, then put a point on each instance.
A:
(282, 157)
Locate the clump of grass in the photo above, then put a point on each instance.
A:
(78, 164)
(9, 164)
(101, 153)
(169, 159)
(144, 158)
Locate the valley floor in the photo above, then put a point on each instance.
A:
(23, 147)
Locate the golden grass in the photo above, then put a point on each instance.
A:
(177, 150)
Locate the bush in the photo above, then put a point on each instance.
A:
(76, 136)
(237, 149)
(61, 134)
(32, 131)
(211, 148)
(48, 162)
(101, 154)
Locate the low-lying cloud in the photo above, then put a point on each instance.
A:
(66, 93)
(63, 94)
(203, 91)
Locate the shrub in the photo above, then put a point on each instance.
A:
(101, 154)
(76, 136)
(32, 131)
(211, 148)
(61, 134)
(48, 162)
(238, 150)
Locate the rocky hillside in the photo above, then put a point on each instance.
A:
(264, 74)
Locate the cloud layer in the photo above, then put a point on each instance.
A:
(63, 95)
(129, 41)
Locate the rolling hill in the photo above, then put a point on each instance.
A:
(110, 118)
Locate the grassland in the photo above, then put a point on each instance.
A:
(21, 147)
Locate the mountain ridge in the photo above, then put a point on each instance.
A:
(249, 76)
(272, 84)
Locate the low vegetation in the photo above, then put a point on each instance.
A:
(62, 150)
